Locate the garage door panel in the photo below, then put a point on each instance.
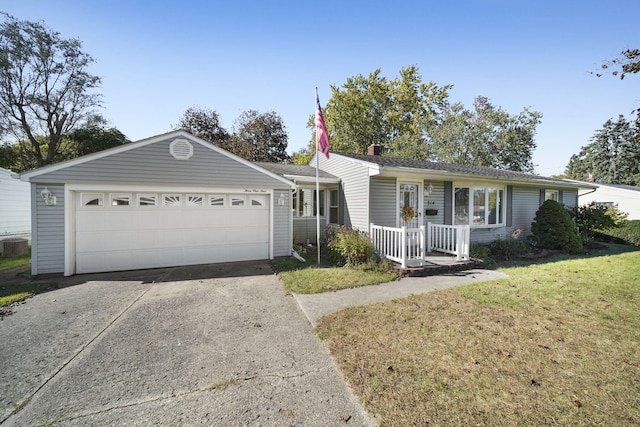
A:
(111, 238)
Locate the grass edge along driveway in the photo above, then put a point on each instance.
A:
(558, 342)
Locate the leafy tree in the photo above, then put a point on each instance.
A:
(94, 137)
(259, 137)
(612, 156)
(205, 124)
(376, 110)
(301, 157)
(486, 136)
(627, 63)
(552, 228)
(45, 88)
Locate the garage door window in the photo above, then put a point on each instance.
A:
(92, 199)
(120, 199)
(258, 200)
(147, 199)
(216, 200)
(172, 200)
(237, 201)
(195, 200)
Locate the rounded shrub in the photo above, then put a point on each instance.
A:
(552, 228)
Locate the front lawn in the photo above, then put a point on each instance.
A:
(558, 343)
(306, 278)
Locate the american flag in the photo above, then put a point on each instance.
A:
(322, 136)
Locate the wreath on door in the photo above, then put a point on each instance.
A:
(407, 213)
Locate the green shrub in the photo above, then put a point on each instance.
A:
(552, 228)
(351, 246)
(592, 217)
(509, 248)
(627, 232)
(479, 250)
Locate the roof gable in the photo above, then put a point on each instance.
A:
(151, 161)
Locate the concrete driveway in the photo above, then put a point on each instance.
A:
(210, 345)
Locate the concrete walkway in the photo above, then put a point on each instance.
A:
(316, 306)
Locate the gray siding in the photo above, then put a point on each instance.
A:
(383, 201)
(304, 229)
(525, 204)
(48, 232)
(569, 198)
(435, 200)
(281, 223)
(355, 189)
(153, 165)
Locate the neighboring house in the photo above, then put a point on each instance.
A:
(625, 197)
(169, 200)
(391, 192)
(15, 207)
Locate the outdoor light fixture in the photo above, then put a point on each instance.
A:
(48, 197)
(429, 189)
(281, 200)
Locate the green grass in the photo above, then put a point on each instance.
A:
(14, 263)
(14, 293)
(306, 278)
(558, 342)
(21, 291)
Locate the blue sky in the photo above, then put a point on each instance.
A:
(158, 58)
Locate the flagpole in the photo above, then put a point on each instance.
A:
(317, 188)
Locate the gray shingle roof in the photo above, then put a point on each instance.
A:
(479, 171)
(295, 170)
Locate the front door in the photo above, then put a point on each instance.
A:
(409, 208)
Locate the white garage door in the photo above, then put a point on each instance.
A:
(127, 231)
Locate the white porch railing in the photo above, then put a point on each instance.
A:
(449, 239)
(408, 246)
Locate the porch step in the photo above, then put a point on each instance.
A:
(432, 269)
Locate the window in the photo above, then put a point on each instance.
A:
(120, 199)
(551, 195)
(257, 200)
(195, 200)
(216, 200)
(238, 200)
(304, 202)
(147, 199)
(173, 200)
(478, 206)
(92, 199)
(333, 206)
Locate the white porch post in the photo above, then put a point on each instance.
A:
(403, 246)
(428, 237)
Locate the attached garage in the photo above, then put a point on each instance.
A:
(125, 231)
(145, 205)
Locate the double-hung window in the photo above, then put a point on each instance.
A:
(478, 206)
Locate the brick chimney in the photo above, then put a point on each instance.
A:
(373, 150)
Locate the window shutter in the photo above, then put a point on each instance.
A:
(509, 218)
(448, 202)
(541, 196)
(560, 200)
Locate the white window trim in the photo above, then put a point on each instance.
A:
(474, 186)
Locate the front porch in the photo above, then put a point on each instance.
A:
(430, 249)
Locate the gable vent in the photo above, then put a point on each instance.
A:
(181, 149)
